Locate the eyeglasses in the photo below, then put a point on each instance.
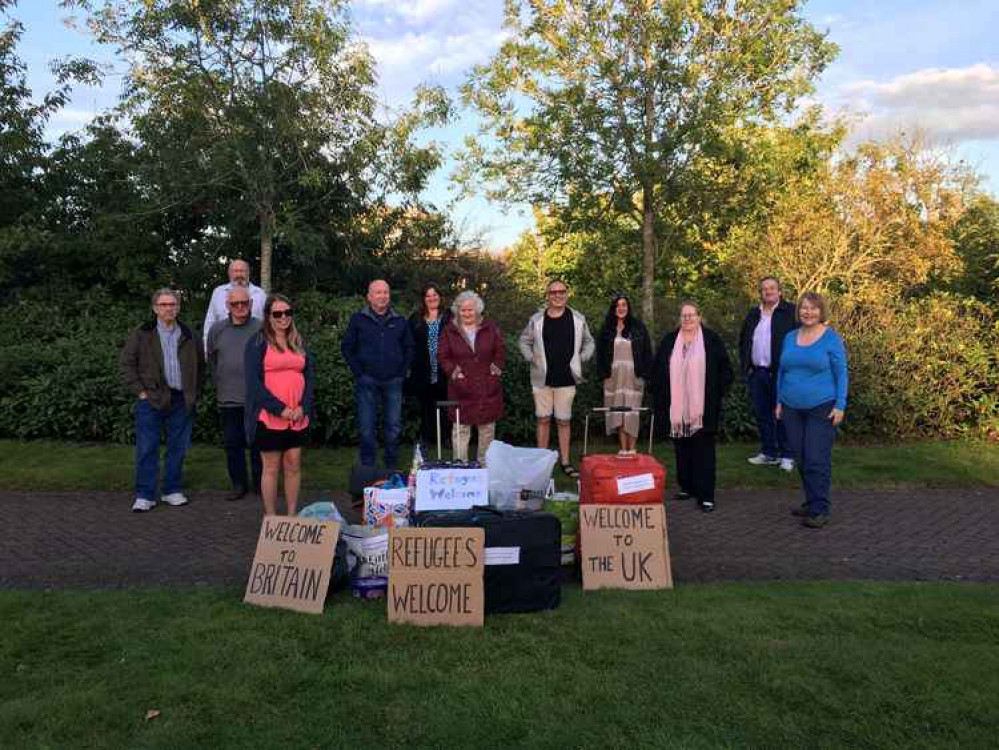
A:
(689, 316)
(167, 304)
(558, 292)
(240, 303)
(278, 314)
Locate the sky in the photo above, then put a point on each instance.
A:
(932, 64)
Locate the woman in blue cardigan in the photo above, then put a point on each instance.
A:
(812, 384)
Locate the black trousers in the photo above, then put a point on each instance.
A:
(695, 464)
(234, 439)
(427, 396)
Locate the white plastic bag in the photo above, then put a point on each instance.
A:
(513, 470)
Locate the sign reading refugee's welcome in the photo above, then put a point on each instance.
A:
(624, 547)
(435, 576)
(291, 568)
(451, 489)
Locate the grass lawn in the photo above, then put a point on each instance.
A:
(826, 665)
(61, 466)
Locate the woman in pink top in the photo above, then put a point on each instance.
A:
(279, 386)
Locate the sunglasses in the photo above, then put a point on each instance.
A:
(278, 314)
(240, 303)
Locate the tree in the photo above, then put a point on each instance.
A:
(24, 152)
(263, 100)
(976, 239)
(626, 97)
(874, 225)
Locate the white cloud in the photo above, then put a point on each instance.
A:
(948, 104)
(413, 11)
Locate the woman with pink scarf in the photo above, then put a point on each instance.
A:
(690, 377)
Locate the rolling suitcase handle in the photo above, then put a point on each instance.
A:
(457, 421)
(619, 410)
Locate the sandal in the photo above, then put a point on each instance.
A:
(570, 471)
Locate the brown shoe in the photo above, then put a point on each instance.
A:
(815, 522)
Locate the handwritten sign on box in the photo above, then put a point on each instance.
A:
(291, 568)
(435, 576)
(451, 489)
(624, 547)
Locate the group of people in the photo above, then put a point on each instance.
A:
(794, 364)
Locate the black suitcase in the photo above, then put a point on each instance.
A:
(531, 584)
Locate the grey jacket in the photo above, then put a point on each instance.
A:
(532, 347)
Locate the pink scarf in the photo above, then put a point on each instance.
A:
(686, 385)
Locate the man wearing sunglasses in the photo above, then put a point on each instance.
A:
(226, 347)
(556, 341)
(378, 347)
(218, 310)
(162, 365)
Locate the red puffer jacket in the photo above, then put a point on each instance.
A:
(480, 392)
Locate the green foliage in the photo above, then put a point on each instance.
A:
(976, 241)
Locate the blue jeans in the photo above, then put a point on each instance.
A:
(149, 423)
(810, 435)
(234, 439)
(762, 388)
(369, 395)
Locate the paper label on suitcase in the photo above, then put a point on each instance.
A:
(502, 555)
(435, 576)
(451, 489)
(624, 547)
(637, 483)
(292, 564)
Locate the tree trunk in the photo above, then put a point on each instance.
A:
(267, 223)
(648, 257)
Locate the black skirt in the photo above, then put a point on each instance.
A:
(270, 441)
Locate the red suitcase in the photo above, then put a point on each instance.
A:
(635, 479)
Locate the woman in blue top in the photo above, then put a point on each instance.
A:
(811, 398)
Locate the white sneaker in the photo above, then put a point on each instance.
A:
(787, 464)
(761, 459)
(175, 498)
(141, 505)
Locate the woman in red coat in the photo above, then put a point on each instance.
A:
(472, 355)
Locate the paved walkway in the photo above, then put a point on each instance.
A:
(88, 540)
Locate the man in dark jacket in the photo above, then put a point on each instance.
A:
(162, 364)
(761, 341)
(378, 347)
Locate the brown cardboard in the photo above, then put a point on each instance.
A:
(624, 547)
(292, 565)
(435, 576)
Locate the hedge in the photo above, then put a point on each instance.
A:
(926, 368)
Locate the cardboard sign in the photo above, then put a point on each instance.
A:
(624, 547)
(291, 568)
(451, 489)
(435, 576)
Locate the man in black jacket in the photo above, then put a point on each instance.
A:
(162, 364)
(760, 343)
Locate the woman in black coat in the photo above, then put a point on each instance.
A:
(426, 381)
(624, 355)
(690, 377)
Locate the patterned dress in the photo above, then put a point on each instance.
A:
(622, 388)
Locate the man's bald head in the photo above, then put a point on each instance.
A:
(379, 296)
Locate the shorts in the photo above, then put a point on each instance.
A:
(548, 400)
(277, 441)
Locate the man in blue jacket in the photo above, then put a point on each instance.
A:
(378, 348)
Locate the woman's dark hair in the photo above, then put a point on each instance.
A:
(292, 338)
(610, 320)
(423, 300)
